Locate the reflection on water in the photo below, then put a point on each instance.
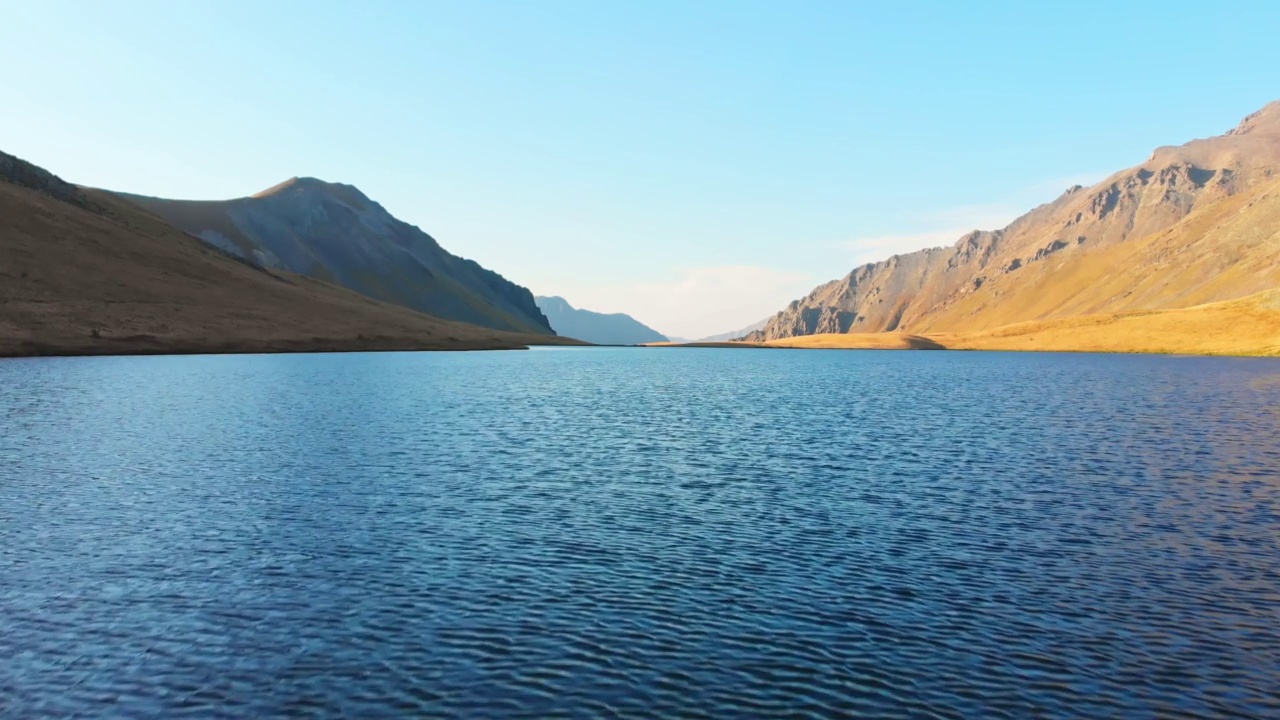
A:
(640, 533)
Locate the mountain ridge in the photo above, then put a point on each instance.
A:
(334, 232)
(594, 327)
(964, 286)
(735, 334)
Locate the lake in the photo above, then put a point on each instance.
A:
(640, 533)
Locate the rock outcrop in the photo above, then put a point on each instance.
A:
(21, 173)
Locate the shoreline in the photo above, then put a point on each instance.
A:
(1245, 327)
(44, 351)
(758, 346)
(32, 350)
(153, 346)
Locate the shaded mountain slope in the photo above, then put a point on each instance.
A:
(594, 327)
(332, 232)
(83, 272)
(1192, 224)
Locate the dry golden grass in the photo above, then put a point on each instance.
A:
(1248, 326)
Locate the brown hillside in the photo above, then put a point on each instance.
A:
(1193, 224)
(83, 272)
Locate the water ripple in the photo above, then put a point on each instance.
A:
(631, 533)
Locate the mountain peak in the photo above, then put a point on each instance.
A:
(1266, 118)
(299, 184)
(349, 194)
(553, 299)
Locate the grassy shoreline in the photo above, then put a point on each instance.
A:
(1246, 327)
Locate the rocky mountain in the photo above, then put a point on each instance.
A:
(1195, 223)
(83, 272)
(332, 232)
(594, 327)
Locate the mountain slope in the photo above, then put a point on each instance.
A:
(1193, 224)
(83, 272)
(1246, 326)
(1222, 250)
(333, 232)
(594, 327)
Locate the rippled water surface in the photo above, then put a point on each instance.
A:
(640, 533)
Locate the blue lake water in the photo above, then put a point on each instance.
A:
(640, 533)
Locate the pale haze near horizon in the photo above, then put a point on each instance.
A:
(694, 166)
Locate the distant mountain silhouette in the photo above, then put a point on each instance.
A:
(332, 232)
(735, 334)
(594, 327)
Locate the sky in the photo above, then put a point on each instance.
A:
(695, 164)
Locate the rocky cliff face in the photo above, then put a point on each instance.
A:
(594, 327)
(333, 232)
(970, 285)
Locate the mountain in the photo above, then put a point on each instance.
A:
(332, 232)
(83, 272)
(594, 327)
(1194, 224)
(734, 335)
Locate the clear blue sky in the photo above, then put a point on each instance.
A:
(695, 164)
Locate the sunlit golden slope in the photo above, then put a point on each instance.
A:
(1226, 248)
(1193, 224)
(1247, 326)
